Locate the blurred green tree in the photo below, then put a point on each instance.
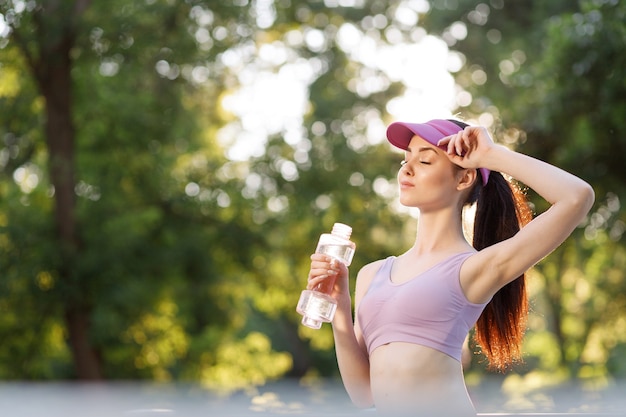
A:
(108, 243)
(136, 243)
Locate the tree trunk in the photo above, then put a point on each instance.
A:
(53, 73)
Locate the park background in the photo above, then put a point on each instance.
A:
(167, 167)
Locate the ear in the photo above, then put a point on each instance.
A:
(466, 178)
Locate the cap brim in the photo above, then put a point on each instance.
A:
(400, 134)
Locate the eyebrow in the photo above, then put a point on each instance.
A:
(421, 149)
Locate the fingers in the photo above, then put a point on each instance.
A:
(324, 266)
(456, 144)
(462, 142)
(322, 272)
(314, 282)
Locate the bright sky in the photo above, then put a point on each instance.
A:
(274, 81)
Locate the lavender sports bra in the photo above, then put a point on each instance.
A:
(429, 310)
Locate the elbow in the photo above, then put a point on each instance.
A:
(580, 201)
(586, 198)
(362, 399)
(362, 403)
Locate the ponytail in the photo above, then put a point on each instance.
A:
(501, 211)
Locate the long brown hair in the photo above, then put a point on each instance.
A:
(501, 211)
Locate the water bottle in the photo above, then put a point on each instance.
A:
(316, 306)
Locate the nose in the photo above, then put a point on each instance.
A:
(405, 169)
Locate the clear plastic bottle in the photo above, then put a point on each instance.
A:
(316, 305)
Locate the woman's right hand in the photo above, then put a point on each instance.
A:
(325, 268)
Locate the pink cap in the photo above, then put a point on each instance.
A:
(400, 134)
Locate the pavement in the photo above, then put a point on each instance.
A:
(283, 398)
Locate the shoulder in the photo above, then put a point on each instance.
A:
(367, 272)
(483, 273)
(366, 275)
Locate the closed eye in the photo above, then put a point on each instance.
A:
(404, 162)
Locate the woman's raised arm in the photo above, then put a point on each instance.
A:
(570, 197)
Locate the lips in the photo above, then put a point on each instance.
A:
(406, 184)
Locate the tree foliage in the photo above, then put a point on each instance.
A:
(169, 257)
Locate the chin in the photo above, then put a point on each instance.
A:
(407, 202)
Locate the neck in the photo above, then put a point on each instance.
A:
(440, 231)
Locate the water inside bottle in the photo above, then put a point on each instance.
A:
(316, 308)
(343, 253)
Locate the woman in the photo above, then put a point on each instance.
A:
(402, 353)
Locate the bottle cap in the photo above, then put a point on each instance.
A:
(342, 230)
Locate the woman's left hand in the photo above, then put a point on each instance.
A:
(468, 148)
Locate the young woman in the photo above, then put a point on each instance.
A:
(402, 353)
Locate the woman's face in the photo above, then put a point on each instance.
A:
(427, 178)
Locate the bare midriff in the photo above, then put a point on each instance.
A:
(413, 379)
